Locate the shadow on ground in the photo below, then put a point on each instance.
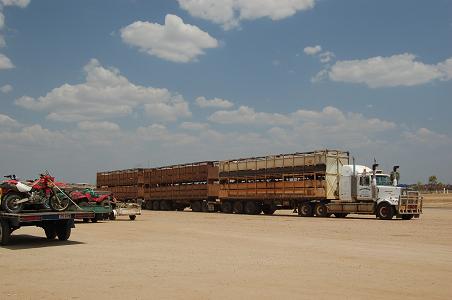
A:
(25, 241)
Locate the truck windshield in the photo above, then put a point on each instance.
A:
(383, 180)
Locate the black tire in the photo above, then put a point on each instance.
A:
(155, 205)
(320, 210)
(85, 220)
(305, 209)
(237, 207)
(226, 207)
(407, 217)
(132, 217)
(112, 216)
(9, 204)
(59, 203)
(385, 211)
(268, 209)
(196, 206)
(5, 233)
(63, 231)
(165, 205)
(148, 205)
(50, 231)
(205, 206)
(340, 215)
(251, 208)
(258, 210)
(95, 219)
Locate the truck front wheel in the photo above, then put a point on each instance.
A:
(385, 211)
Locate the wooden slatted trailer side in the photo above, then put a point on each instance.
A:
(285, 181)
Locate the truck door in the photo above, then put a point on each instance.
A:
(364, 188)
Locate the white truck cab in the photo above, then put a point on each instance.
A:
(361, 184)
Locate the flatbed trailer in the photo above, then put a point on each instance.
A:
(55, 224)
(99, 212)
(125, 209)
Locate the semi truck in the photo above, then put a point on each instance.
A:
(318, 183)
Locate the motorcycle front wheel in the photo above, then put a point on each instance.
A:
(10, 205)
(59, 203)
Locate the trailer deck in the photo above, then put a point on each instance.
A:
(54, 223)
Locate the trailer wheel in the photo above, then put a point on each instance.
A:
(205, 206)
(237, 207)
(268, 209)
(132, 217)
(251, 208)
(112, 216)
(321, 210)
(226, 207)
(305, 209)
(165, 205)
(340, 215)
(385, 211)
(407, 217)
(155, 205)
(148, 205)
(50, 231)
(196, 206)
(63, 231)
(5, 233)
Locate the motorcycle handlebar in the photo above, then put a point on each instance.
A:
(12, 176)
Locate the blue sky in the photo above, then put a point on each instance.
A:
(86, 86)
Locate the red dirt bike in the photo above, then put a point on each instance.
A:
(42, 192)
(89, 196)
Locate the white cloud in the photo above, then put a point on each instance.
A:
(427, 137)
(215, 102)
(5, 62)
(98, 126)
(229, 13)
(446, 68)
(7, 88)
(7, 121)
(174, 41)
(329, 126)
(2, 20)
(194, 126)
(312, 50)
(106, 94)
(326, 56)
(20, 3)
(396, 70)
(247, 115)
(159, 132)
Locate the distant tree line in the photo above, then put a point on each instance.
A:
(433, 184)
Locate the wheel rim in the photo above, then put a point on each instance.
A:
(305, 209)
(384, 211)
(12, 204)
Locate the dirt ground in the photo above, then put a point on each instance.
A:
(185, 255)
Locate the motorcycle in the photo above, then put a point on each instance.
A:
(87, 196)
(43, 192)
